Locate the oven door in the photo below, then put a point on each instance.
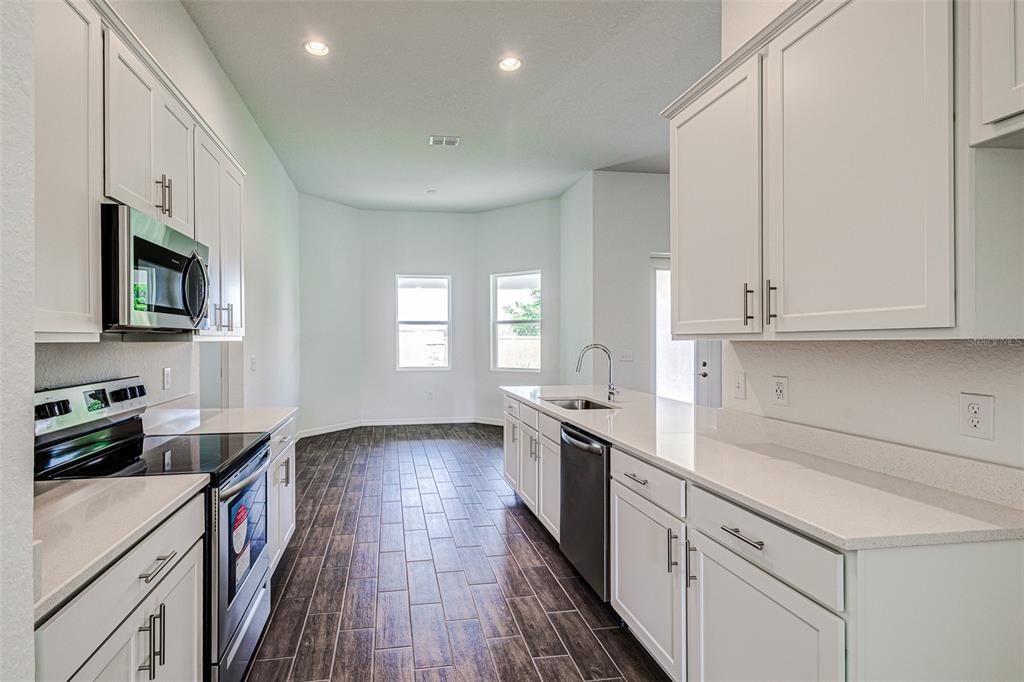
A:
(162, 280)
(241, 551)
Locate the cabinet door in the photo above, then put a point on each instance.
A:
(550, 495)
(859, 121)
(1002, 58)
(209, 167)
(286, 495)
(529, 466)
(122, 654)
(647, 576)
(511, 443)
(132, 96)
(275, 547)
(178, 604)
(231, 251)
(715, 181)
(746, 625)
(173, 133)
(69, 166)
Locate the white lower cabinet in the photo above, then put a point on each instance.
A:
(648, 578)
(162, 638)
(281, 503)
(550, 488)
(511, 444)
(529, 466)
(746, 625)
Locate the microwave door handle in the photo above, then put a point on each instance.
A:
(193, 313)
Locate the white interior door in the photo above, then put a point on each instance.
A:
(745, 625)
(715, 190)
(1002, 59)
(859, 119)
(647, 576)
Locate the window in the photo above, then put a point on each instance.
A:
(515, 318)
(673, 360)
(423, 306)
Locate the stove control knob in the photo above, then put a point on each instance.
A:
(119, 395)
(42, 412)
(63, 407)
(142, 390)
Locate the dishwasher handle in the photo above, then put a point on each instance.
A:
(594, 447)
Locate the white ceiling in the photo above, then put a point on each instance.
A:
(353, 126)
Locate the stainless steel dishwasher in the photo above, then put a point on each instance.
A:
(584, 506)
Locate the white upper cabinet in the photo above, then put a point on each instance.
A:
(859, 168)
(69, 170)
(208, 170)
(715, 150)
(148, 141)
(1001, 53)
(232, 300)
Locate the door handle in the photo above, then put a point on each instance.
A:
(164, 560)
(669, 537)
(738, 534)
(230, 308)
(286, 478)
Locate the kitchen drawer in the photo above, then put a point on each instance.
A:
(65, 641)
(661, 488)
(529, 416)
(282, 437)
(511, 406)
(552, 428)
(809, 567)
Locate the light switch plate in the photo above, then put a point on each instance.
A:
(167, 378)
(739, 386)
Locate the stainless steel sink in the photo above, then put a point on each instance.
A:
(578, 404)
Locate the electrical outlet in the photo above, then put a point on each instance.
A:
(739, 386)
(167, 378)
(252, 363)
(977, 415)
(780, 391)
(625, 356)
(430, 395)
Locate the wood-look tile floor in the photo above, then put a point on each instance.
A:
(412, 559)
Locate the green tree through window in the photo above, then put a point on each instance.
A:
(525, 311)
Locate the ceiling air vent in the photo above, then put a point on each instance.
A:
(444, 140)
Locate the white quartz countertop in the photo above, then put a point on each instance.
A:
(86, 525)
(835, 503)
(183, 416)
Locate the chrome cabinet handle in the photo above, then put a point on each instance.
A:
(738, 534)
(690, 578)
(150, 667)
(633, 477)
(163, 194)
(231, 316)
(747, 317)
(669, 537)
(170, 198)
(162, 617)
(287, 476)
(164, 560)
(215, 315)
(513, 433)
(768, 289)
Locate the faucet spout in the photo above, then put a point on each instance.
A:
(612, 391)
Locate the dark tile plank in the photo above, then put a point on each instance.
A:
(354, 656)
(316, 542)
(368, 529)
(393, 626)
(456, 596)
(522, 549)
(364, 561)
(586, 651)
(557, 669)
(273, 670)
(360, 604)
(316, 648)
(550, 591)
(512, 659)
(596, 613)
(302, 580)
(492, 608)
(282, 638)
(329, 595)
(436, 675)
(391, 572)
(552, 556)
(475, 564)
(629, 655)
(491, 540)
(540, 637)
(393, 665)
(339, 550)
(430, 636)
(423, 588)
(472, 660)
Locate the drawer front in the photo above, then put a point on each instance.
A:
(661, 488)
(65, 641)
(282, 437)
(511, 406)
(551, 427)
(529, 416)
(809, 567)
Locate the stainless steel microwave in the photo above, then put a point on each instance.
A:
(154, 277)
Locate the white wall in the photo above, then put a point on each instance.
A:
(742, 19)
(577, 276)
(631, 221)
(270, 209)
(17, 246)
(515, 239)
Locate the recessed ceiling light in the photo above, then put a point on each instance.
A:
(510, 63)
(317, 48)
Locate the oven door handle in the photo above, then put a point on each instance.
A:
(234, 491)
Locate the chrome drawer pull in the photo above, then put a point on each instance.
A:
(641, 481)
(669, 537)
(736, 533)
(690, 578)
(164, 560)
(150, 667)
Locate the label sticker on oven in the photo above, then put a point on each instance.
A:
(240, 529)
(242, 562)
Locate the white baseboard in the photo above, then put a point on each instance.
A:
(412, 421)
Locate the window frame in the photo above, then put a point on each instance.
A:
(495, 322)
(398, 324)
